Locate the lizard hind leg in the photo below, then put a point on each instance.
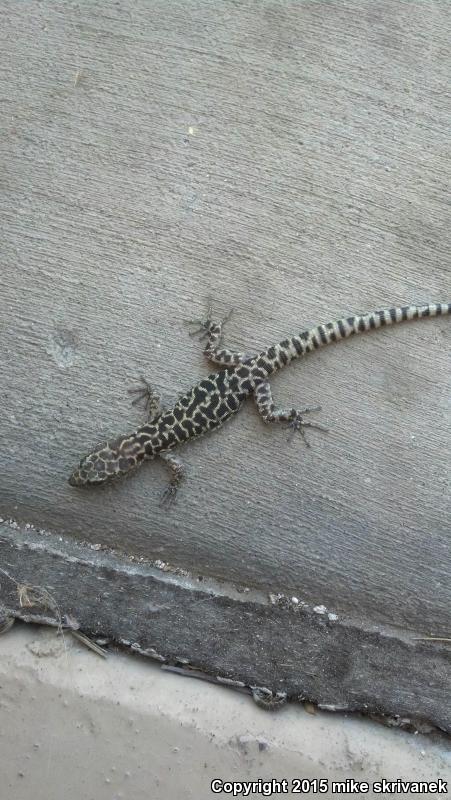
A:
(293, 416)
(212, 332)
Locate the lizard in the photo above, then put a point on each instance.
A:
(219, 396)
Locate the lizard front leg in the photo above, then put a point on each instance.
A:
(150, 399)
(294, 417)
(177, 474)
(152, 402)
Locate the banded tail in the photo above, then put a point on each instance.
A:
(305, 342)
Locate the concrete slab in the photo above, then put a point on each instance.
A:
(292, 161)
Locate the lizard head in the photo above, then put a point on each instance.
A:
(109, 461)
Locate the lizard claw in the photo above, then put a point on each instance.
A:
(144, 392)
(146, 395)
(168, 496)
(298, 424)
(227, 317)
(207, 326)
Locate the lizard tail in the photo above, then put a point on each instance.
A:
(305, 342)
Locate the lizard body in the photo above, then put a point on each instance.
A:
(221, 394)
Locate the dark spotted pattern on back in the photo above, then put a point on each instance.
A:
(220, 395)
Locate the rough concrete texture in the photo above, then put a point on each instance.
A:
(274, 643)
(118, 729)
(292, 161)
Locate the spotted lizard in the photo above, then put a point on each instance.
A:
(221, 394)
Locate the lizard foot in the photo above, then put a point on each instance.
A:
(297, 423)
(168, 496)
(146, 395)
(208, 328)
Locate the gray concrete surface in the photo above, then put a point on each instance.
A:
(292, 161)
(120, 729)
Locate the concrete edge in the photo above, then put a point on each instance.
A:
(270, 646)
